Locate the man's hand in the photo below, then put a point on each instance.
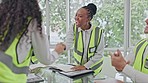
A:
(118, 61)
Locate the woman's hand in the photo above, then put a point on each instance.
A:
(79, 67)
(60, 47)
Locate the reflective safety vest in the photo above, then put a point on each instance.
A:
(141, 63)
(11, 71)
(94, 41)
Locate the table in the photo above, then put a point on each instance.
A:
(108, 80)
(50, 76)
(54, 77)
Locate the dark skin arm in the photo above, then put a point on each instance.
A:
(78, 67)
(118, 61)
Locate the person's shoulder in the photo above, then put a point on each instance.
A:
(33, 21)
(142, 40)
(32, 25)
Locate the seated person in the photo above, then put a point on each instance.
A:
(138, 72)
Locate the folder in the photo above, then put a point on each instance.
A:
(66, 70)
(77, 74)
(61, 67)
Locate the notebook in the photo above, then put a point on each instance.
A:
(61, 67)
(67, 71)
(75, 74)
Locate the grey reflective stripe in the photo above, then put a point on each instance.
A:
(97, 32)
(96, 42)
(101, 31)
(76, 46)
(76, 36)
(139, 46)
(76, 43)
(97, 65)
(77, 61)
(96, 36)
(7, 60)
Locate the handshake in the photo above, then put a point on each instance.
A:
(60, 47)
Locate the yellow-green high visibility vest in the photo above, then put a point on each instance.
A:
(94, 41)
(141, 63)
(11, 71)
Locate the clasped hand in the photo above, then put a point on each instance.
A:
(118, 61)
(59, 48)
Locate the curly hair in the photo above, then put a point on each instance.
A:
(14, 16)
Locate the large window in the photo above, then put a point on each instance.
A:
(139, 11)
(57, 22)
(111, 15)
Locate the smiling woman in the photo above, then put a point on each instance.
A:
(83, 17)
(87, 39)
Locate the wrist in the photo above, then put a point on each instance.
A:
(120, 69)
(123, 66)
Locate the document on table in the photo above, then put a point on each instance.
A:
(33, 66)
(67, 71)
(80, 73)
(61, 67)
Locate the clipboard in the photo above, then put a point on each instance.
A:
(77, 74)
(61, 67)
(65, 69)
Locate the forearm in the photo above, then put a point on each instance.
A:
(69, 39)
(135, 75)
(41, 48)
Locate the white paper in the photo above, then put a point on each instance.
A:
(62, 67)
(33, 66)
